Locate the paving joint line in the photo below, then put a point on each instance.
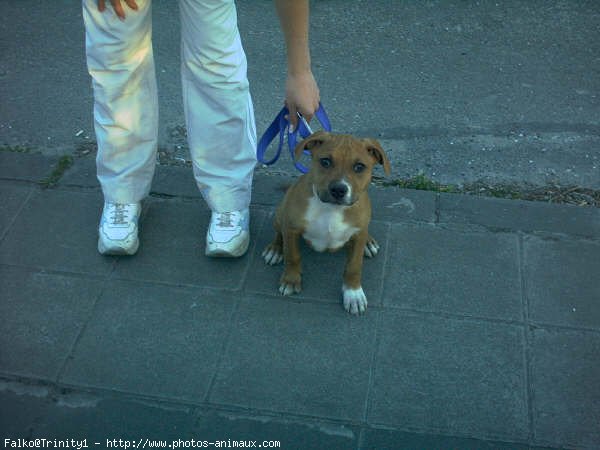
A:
(69, 356)
(386, 262)
(302, 300)
(17, 214)
(65, 273)
(456, 316)
(447, 433)
(377, 338)
(437, 208)
(527, 356)
(373, 367)
(252, 254)
(477, 228)
(533, 325)
(61, 187)
(223, 350)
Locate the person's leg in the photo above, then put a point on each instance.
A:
(121, 63)
(217, 103)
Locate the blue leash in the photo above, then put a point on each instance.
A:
(280, 126)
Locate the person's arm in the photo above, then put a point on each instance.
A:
(117, 6)
(301, 92)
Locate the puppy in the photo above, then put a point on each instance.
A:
(330, 208)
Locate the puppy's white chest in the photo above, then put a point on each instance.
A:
(325, 226)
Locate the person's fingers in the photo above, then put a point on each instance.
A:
(116, 4)
(292, 117)
(118, 7)
(132, 4)
(308, 107)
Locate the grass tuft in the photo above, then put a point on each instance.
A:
(62, 165)
(15, 148)
(422, 183)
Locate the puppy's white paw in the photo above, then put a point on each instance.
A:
(289, 289)
(371, 248)
(355, 300)
(272, 256)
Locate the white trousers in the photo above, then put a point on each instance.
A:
(217, 104)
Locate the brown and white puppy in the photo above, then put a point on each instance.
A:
(329, 207)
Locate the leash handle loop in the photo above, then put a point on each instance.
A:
(279, 123)
(281, 126)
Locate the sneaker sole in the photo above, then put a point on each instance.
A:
(221, 253)
(117, 250)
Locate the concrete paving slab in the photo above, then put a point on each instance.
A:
(42, 315)
(31, 167)
(439, 270)
(57, 230)
(450, 376)
(322, 273)
(175, 181)
(172, 240)
(268, 187)
(401, 205)
(21, 406)
(520, 215)
(386, 439)
(305, 359)
(152, 340)
(566, 392)
(215, 426)
(82, 173)
(171, 181)
(562, 281)
(13, 198)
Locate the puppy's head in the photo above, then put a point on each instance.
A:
(341, 165)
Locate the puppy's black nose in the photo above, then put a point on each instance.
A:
(338, 190)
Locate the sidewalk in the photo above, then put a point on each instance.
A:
(483, 327)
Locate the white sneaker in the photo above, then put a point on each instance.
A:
(228, 234)
(118, 231)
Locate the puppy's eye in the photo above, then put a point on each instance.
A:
(325, 162)
(358, 167)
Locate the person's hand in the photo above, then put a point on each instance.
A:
(117, 6)
(301, 96)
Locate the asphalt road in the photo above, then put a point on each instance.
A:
(506, 92)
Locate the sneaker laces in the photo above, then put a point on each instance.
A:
(119, 214)
(224, 220)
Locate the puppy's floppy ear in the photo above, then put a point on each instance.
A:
(376, 151)
(314, 140)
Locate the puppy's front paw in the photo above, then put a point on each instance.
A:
(272, 254)
(371, 248)
(355, 300)
(290, 284)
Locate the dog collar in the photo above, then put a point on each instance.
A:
(281, 126)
